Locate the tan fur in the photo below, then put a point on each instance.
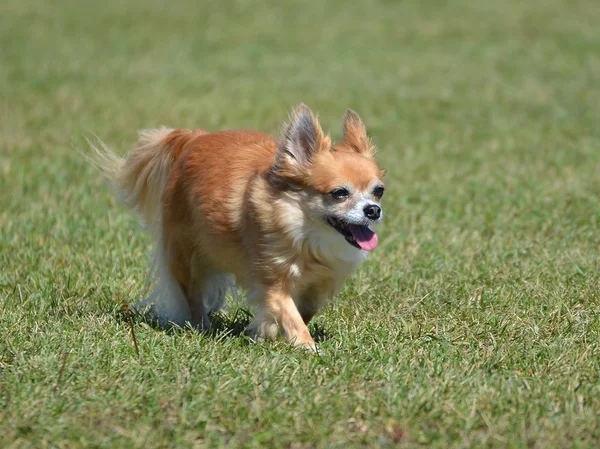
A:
(239, 203)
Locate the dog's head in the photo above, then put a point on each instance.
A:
(339, 187)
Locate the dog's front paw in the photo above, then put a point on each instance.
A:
(310, 346)
(261, 331)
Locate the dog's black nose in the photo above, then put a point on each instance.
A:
(372, 211)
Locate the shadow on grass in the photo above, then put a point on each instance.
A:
(222, 325)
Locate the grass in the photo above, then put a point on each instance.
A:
(474, 324)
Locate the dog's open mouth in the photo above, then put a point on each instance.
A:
(357, 235)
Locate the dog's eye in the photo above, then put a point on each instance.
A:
(340, 194)
(378, 191)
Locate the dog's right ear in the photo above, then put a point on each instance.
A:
(302, 140)
(304, 136)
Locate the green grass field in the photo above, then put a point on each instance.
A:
(474, 324)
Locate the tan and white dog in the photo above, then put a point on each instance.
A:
(288, 220)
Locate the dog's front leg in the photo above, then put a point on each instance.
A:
(277, 312)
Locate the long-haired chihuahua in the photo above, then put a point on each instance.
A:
(289, 220)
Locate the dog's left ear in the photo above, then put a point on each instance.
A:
(355, 135)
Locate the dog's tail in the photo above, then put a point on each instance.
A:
(140, 178)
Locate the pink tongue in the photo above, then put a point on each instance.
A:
(365, 238)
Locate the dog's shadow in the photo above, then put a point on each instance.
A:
(231, 324)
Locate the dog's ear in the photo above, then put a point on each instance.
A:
(304, 136)
(302, 140)
(355, 135)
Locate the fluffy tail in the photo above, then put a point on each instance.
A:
(140, 178)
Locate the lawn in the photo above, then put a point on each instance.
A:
(475, 323)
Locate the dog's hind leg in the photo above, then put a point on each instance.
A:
(167, 305)
(193, 279)
(208, 290)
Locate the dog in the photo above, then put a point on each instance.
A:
(288, 220)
